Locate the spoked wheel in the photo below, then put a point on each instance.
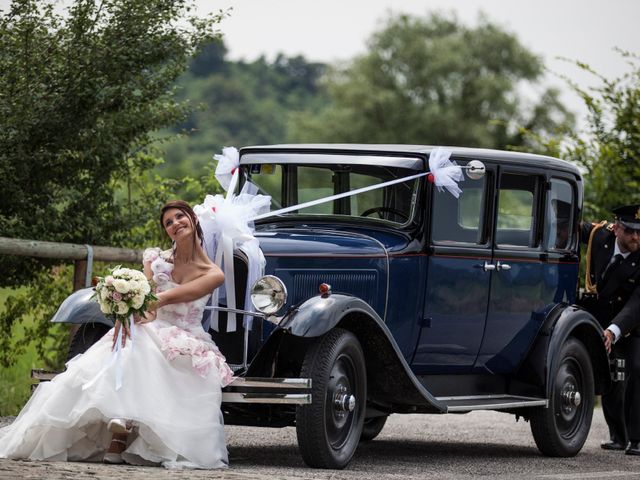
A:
(372, 427)
(561, 429)
(329, 428)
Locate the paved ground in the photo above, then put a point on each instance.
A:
(477, 445)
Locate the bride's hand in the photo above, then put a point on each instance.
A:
(148, 317)
(116, 329)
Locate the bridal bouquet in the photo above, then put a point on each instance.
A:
(122, 293)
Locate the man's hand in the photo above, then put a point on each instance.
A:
(608, 338)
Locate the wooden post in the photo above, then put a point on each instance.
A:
(79, 274)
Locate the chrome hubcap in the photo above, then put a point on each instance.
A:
(343, 402)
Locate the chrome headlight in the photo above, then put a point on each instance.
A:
(268, 294)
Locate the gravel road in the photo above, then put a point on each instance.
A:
(476, 445)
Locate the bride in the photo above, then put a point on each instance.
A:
(167, 410)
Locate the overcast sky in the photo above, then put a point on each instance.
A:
(332, 30)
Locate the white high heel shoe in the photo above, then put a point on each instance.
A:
(117, 426)
(120, 425)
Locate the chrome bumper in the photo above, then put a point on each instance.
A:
(274, 391)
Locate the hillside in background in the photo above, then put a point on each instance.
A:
(237, 104)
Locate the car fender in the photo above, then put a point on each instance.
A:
(318, 315)
(576, 322)
(79, 308)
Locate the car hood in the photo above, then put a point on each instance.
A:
(319, 242)
(352, 263)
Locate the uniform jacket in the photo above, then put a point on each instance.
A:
(618, 298)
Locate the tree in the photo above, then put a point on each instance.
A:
(609, 149)
(243, 103)
(80, 95)
(432, 80)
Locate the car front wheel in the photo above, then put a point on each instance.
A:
(561, 429)
(85, 336)
(329, 428)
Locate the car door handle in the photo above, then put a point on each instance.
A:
(503, 266)
(487, 267)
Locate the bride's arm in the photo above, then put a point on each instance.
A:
(192, 290)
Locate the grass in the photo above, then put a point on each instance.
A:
(15, 381)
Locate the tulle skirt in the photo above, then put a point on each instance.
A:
(176, 409)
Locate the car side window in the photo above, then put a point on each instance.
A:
(459, 220)
(558, 215)
(516, 210)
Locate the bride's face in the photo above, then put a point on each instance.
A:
(177, 224)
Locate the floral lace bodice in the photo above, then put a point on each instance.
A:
(186, 315)
(179, 325)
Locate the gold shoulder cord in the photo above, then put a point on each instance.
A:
(588, 286)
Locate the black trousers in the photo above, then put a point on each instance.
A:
(621, 405)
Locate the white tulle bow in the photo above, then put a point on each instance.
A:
(227, 226)
(228, 163)
(446, 174)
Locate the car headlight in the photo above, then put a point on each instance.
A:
(268, 294)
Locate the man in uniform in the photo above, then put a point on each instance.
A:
(613, 297)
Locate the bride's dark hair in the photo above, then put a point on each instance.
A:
(188, 211)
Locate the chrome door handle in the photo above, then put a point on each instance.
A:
(488, 266)
(503, 266)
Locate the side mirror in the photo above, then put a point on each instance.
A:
(475, 169)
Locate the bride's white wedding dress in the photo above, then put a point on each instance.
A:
(172, 374)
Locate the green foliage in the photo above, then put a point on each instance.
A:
(23, 310)
(240, 104)
(433, 80)
(610, 148)
(80, 95)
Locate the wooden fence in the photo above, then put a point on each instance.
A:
(82, 255)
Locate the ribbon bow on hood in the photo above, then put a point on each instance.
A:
(227, 224)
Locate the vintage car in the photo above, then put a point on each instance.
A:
(397, 296)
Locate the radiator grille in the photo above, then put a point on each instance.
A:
(304, 284)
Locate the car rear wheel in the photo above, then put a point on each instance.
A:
(329, 428)
(561, 429)
(372, 427)
(85, 336)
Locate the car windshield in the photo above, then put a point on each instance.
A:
(291, 184)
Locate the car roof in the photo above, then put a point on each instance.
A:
(517, 158)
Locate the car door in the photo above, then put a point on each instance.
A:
(458, 282)
(530, 265)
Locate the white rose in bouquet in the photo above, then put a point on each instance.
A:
(122, 293)
(105, 308)
(121, 285)
(137, 301)
(122, 308)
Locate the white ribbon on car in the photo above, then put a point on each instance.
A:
(228, 221)
(445, 174)
(227, 225)
(115, 357)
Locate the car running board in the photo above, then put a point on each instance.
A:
(490, 402)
